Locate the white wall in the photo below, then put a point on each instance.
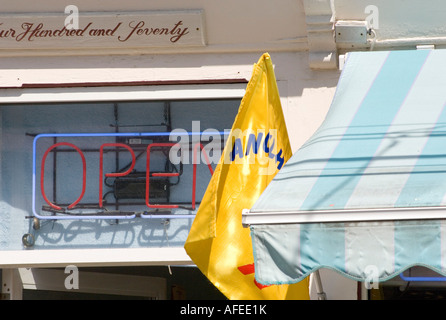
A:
(230, 26)
(306, 93)
(398, 19)
(237, 33)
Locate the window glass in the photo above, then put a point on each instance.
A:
(47, 149)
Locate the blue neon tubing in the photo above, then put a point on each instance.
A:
(422, 279)
(121, 134)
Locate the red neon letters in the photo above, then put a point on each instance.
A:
(121, 174)
(42, 175)
(101, 165)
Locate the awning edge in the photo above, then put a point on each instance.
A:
(250, 217)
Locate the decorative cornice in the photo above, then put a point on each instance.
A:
(320, 30)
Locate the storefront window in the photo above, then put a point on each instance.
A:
(88, 159)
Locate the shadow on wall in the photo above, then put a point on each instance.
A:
(110, 233)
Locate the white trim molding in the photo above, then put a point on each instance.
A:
(120, 93)
(320, 28)
(344, 215)
(94, 257)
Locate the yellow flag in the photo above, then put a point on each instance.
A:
(257, 148)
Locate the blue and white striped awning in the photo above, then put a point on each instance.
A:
(366, 192)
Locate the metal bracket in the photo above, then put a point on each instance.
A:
(351, 34)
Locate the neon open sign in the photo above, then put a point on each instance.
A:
(39, 172)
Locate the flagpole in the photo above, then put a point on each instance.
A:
(319, 289)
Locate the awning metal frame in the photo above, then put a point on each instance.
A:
(344, 215)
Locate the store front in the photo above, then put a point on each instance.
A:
(91, 102)
(67, 183)
(55, 152)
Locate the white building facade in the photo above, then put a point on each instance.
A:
(154, 67)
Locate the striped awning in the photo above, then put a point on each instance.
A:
(365, 194)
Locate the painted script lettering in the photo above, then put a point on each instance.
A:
(134, 30)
